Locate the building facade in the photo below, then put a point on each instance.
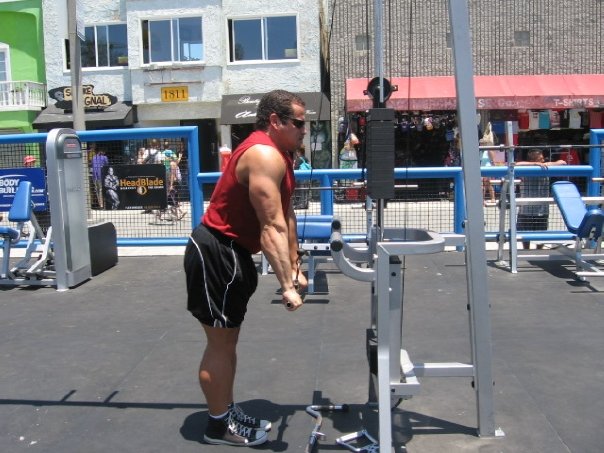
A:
(515, 37)
(150, 63)
(22, 87)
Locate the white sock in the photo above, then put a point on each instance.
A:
(218, 417)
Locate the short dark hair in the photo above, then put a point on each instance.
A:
(279, 102)
(534, 155)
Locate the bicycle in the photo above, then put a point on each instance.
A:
(173, 212)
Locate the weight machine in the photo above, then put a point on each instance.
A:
(60, 258)
(392, 373)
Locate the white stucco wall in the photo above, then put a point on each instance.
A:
(115, 81)
(207, 82)
(203, 80)
(300, 75)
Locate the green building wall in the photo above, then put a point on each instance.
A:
(22, 31)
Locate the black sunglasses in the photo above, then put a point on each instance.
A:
(296, 122)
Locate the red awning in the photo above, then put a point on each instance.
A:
(492, 92)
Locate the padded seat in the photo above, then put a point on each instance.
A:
(314, 231)
(8, 233)
(579, 220)
(19, 212)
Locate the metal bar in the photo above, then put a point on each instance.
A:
(383, 348)
(475, 250)
(561, 146)
(596, 139)
(378, 12)
(502, 211)
(444, 369)
(548, 200)
(77, 97)
(354, 186)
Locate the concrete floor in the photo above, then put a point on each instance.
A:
(112, 364)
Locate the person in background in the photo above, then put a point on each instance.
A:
(301, 159)
(486, 160)
(91, 151)
(250, 211)
(534, 217)
(170, 156)
(348, 155)
(174, 182)
(152, 154)
(300, 199)
(141, 155)
(99, 160)
(29, 161)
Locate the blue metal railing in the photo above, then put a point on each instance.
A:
(189, 133)
(327, 177)
(324, 177)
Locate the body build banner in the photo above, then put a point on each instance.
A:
(10, 179)
(135, 186)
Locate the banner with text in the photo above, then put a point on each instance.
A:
(135, 186)
(10, 179)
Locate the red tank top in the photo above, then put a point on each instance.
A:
(230, 210)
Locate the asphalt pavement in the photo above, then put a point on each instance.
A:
(111, 365)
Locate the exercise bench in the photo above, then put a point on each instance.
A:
(41, 271)
(314, 232)
(586, 226)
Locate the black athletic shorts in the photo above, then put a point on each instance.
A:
(221, 278)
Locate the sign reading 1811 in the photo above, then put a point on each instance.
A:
(175, 94)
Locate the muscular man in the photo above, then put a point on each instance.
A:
(535, 217)
(250, 211)
(112, 184)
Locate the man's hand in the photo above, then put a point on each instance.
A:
(292, 300)
(300, 281)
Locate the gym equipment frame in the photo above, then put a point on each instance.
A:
(396, 374)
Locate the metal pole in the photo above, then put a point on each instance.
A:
(378, 19)
(77, 106)
(476, 269)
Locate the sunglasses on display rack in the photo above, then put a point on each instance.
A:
(296, 122)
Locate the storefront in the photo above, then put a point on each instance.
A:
(238, 114)
(118, 115)
(101, 111)
(544, 110)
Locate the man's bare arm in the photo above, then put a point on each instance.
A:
(263, 169)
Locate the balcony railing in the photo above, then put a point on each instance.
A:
(22, 95)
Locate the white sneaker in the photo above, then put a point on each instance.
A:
(228, 431)
(248, 420)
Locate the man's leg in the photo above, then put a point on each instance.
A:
(217, 368)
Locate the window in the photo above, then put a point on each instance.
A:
(4, 63)
(4, 75)
(105, 45)
(172, 40)
(266, 38)
(522, 38)
(361, 42)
